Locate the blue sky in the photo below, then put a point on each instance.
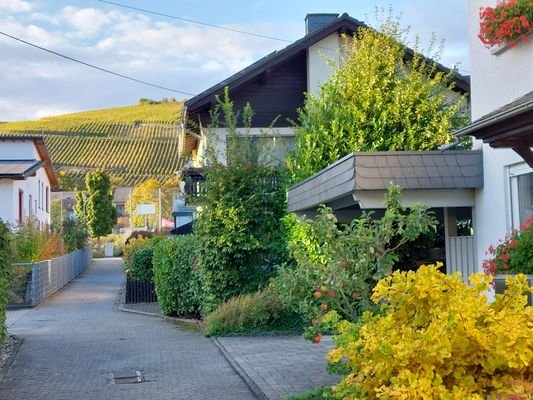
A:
(183, 56)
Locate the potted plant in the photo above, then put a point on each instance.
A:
(507, 23)
(513, 255)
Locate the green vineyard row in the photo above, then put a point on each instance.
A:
(131, 151)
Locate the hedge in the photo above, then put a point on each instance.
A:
(5, 264)
(176, 276)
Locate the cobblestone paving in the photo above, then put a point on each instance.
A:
(74, 340)
(281, 365)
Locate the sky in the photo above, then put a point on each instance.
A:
(182, 56)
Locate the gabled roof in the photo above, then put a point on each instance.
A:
(122, 194)
(510, 126)
(343, 24)
(38, 141)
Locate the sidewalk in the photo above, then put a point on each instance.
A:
(77, 339)
(272, 366)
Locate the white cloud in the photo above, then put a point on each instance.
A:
(49, 111)
(85, 21)
(182, 56)
(15, 5)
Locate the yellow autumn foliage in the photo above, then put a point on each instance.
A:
(438, 338)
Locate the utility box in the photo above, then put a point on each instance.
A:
(108, 249)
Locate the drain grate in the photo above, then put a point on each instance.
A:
(121, 377)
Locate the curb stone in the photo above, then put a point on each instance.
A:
(5, 368)
(240, 371)
(121, 307)
(149, 314)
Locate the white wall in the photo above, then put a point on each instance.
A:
(18, 150)
(218, 138)
(497, 79)
(318, 68)
(6, 199)
(9, 189)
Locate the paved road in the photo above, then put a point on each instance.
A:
(74, 340)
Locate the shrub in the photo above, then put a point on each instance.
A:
(51, 245)
(138, 255)
(437, 338)
(75, 234)
(319, 393)
(337, 265)
(238, 229)
(142, 234)
(176, 277)
(31, 243)
(252, 313)
(5, 266)
(28, 241)
(140, 263)
(514, 255)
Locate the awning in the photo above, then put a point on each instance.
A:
(359, 180)
(19, 169)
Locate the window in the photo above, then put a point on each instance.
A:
(525, 197)
(21, 205)
(47, 199)
(521, 196)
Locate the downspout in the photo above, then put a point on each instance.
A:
(183, 124)
(449, 146)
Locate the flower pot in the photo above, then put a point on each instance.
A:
(500, 286)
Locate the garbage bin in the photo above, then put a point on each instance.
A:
(108, 249)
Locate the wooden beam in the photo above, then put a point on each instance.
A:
(526, 153)
(512, 143)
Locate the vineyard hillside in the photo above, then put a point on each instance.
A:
(132, 143)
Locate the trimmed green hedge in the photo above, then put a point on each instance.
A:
(176, 277)
(5, 264)
(141, 263)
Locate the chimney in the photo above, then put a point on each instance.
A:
(317, 21)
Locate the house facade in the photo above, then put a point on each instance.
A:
(26, 179)
(493, 183)
(275, 87)
(502, 111)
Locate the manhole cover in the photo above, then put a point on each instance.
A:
(130, 376)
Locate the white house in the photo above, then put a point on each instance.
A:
(502, 111)
(26, 178)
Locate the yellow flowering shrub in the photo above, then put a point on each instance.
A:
(438, 338)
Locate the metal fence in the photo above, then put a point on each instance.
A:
(32, 283)
(140, 291)
(461, 256)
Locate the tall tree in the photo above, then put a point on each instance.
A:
(95, 206)
(147, 192)
(377, 99)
